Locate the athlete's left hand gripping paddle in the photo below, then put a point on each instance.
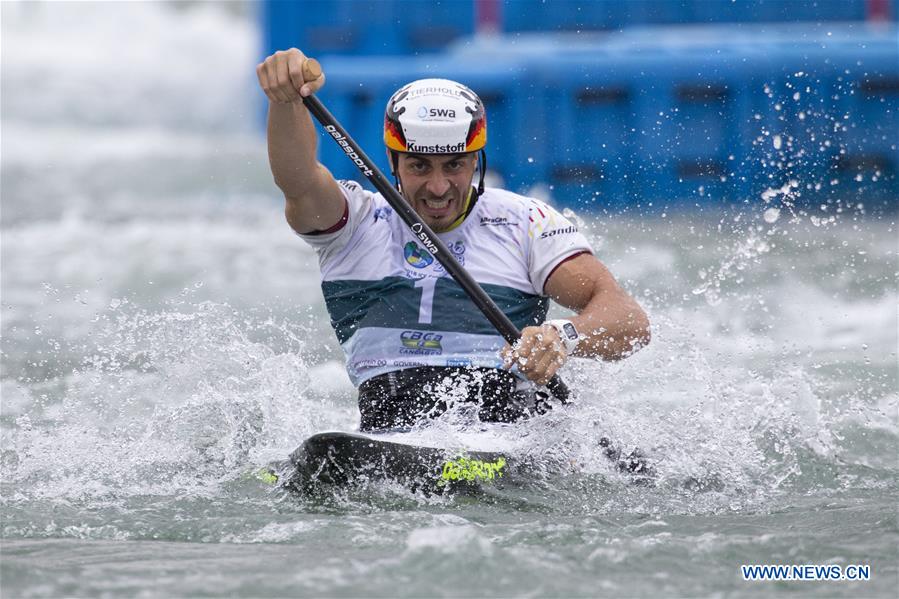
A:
(311, 71)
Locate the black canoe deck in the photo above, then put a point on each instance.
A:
(341, 459)
(337, 459)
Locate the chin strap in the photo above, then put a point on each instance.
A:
(470, 200)
(482, 159)
(394, 169)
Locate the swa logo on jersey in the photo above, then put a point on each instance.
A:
(416, 256)
(427, 114)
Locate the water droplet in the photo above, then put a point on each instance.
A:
(771, 215)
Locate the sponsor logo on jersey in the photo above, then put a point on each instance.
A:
(383, 213)
(369, 364)
(457, 249)
(417, 148)
(562, 231)
(408, 363)
(350, 185)
(498, 221)
(421, 343)
(416, 256)
(458, 362)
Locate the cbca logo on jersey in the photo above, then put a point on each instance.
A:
(420, 343)
(416, 256)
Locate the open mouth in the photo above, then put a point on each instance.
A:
(437, 207)
(437, 204)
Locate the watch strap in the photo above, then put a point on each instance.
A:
(567, 332)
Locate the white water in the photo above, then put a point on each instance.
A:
(163, 334)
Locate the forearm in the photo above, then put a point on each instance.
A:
(292, 142)
(612, 326)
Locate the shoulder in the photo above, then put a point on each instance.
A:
(353, 191)
(502, 199)
(502, 207)
(359, 204)
(533, 214)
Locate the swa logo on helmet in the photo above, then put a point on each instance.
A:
(429, 114)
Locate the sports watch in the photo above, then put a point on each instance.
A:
(568, 333)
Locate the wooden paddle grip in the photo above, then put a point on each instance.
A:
(312, 70)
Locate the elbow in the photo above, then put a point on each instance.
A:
(644, 337)
(641, 333)
(291, 187)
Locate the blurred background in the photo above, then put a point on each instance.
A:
(611, 104)
(162, 330)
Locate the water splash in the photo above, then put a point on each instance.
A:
(172, 401)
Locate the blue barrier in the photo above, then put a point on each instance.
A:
(397, 27)
(662, 115)
(677, 114)
(363, 27)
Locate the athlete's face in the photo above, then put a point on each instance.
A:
(436, 185)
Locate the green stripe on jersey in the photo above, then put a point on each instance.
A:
(396, 302)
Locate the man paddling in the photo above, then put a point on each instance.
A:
(414, 342)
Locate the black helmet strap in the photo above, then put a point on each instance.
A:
(483, 168)
(395, 168)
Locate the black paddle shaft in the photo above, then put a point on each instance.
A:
(424, 234)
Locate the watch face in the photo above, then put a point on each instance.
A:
(570, 331)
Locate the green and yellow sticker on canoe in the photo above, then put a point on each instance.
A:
(469, 469)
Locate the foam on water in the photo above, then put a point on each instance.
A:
(127, 64)
(163, 335)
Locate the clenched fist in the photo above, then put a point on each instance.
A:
(538, 354)
(289, 76)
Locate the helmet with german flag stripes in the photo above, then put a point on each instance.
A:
(435, 116)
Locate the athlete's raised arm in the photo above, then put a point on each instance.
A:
(314, 201)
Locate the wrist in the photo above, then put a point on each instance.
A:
(568, 334)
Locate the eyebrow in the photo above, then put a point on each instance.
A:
(425, 158)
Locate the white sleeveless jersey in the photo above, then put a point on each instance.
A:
(393, 306)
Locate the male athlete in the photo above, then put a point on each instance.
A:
(414, 341)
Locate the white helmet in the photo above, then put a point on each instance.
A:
(435, 116)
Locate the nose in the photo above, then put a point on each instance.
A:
(438, 185)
